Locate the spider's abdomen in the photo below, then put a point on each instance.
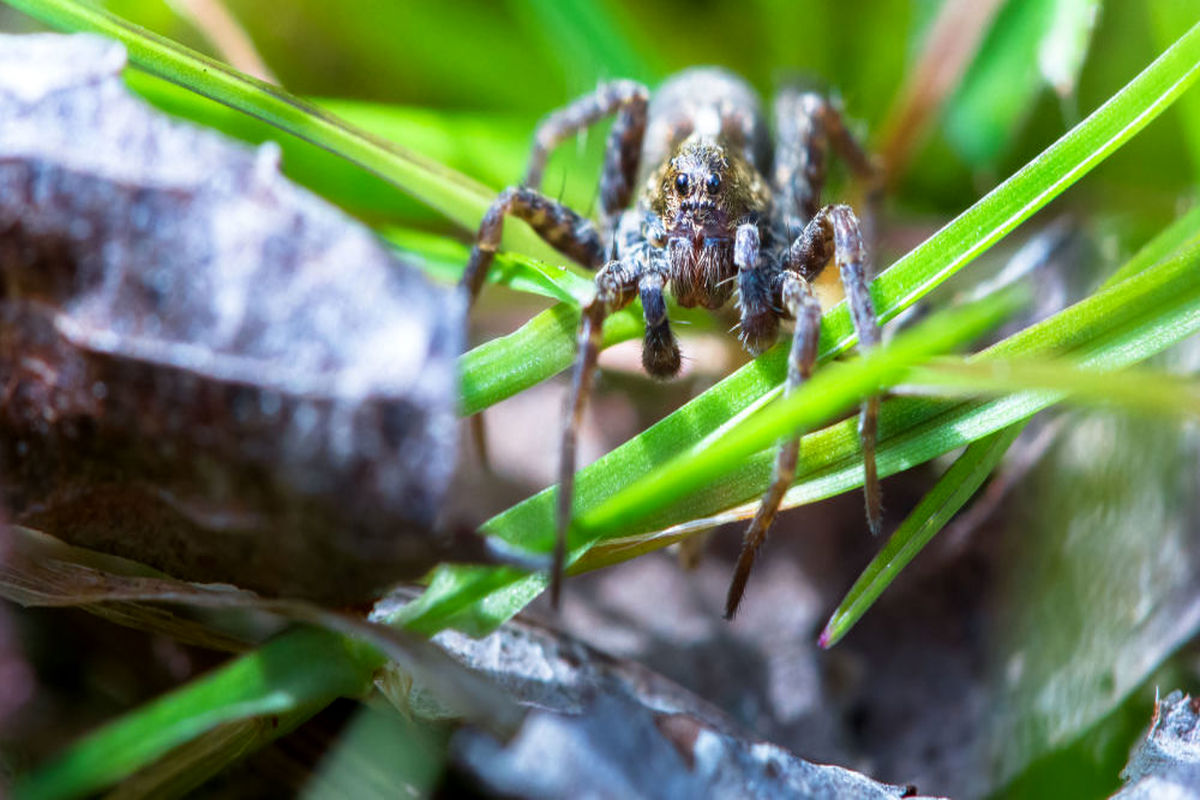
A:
(713, 103)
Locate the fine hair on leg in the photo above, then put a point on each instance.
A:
(562, 228)
(628, 100)
(797, 298)
(616, 286)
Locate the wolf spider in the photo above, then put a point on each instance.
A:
(717, 208)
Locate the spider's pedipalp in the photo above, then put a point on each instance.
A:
(660, 351)
(757, 283)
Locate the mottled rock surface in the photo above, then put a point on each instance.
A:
(206, 368)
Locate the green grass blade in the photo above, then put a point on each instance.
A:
(446, 259)
(1184, 231)
(187, 767)
(828, 393)
(1168, 18)
(506, 365)
(959, 483)
(1140, 391)
(459, 198)
(1049, 174)
(303, 669)
(951, 492)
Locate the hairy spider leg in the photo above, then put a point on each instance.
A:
(563, 229)
(628, 100)
(616, 181)
(807, 124)
(798, 299)
(616, 285)
(833, 231)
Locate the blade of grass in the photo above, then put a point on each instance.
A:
(489, 147)
(959, 483)
(954, 488)
(302, 670)
(188, 766)
(1182, 232)
(459, 198)
(446, 259)
(1140, 391)
(503, 366)
(1168, 18)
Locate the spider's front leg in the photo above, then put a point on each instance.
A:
(616, 286)
(563, 229)
(799, 301)
(568, 232)
(835, 231)
(554, 222)
(762, 287)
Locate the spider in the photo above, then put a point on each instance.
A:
(720, 213)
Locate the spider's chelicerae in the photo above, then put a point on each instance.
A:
(721, 213)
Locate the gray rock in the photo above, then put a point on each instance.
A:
(208, 369)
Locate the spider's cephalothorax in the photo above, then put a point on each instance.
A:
(701, 196)
(720, 211)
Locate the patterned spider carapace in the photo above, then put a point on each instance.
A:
(721, 213)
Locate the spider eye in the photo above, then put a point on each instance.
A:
(713, 184)
(682, 185)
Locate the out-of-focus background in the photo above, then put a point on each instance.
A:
(1020, 655)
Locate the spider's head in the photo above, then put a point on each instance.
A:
(705, 190)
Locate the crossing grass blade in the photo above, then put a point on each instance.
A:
(1147, 391)
(460, 199)
(294, 675)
